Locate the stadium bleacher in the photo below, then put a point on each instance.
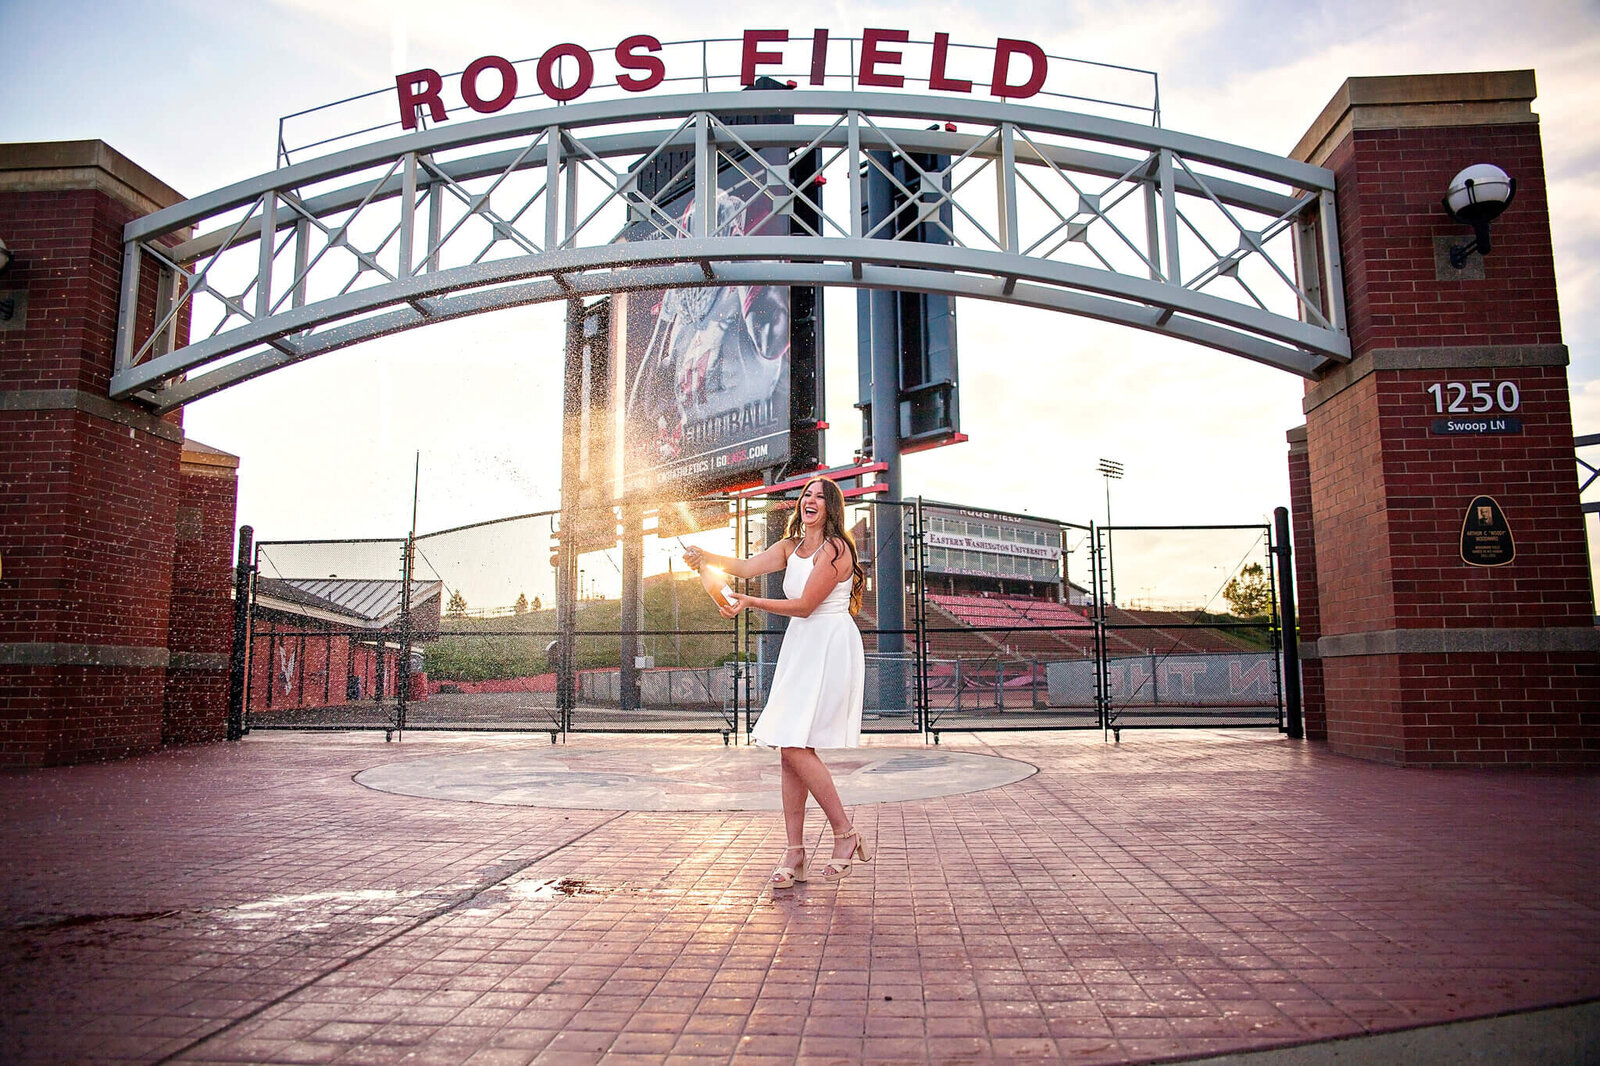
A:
(1042, 628)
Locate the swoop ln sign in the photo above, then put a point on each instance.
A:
(639, 69)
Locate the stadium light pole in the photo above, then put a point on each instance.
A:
(1110, 469)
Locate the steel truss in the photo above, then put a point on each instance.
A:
(1195, 239)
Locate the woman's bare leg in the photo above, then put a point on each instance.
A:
(808, 768)
(793, 791)
(794, 804)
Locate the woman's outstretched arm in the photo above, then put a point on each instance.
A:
(832, 566)
(773, 558)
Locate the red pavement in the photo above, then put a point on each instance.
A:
(1181, 894)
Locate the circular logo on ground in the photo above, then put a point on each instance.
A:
(683, 779)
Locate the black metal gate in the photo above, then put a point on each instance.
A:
(324, 635)
(1165, 665)
(1152, 627)
(641, 648)
(1091, 659)
(989, 656)
(464, 629)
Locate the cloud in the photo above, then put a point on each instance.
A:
(1586, 408)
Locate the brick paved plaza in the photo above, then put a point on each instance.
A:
(1179, 895)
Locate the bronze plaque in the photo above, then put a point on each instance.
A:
(1486, 535)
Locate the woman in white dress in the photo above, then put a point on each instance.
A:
(815, 697)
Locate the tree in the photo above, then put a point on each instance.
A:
(537, 606)
(457, 607)
(521, 606)
(1248, 593)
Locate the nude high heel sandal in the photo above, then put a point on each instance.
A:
(786, 875)
(838, 868)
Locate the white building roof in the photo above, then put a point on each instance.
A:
(361, 604)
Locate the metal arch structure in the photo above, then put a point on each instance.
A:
(1183, 236)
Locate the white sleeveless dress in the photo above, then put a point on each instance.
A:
(816, 694)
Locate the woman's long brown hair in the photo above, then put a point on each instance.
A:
(833, 529)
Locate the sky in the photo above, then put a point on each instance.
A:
(192, 91)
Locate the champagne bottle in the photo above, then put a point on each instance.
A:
(716, 585)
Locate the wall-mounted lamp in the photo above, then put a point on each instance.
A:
(1477, 196)
(5, 257)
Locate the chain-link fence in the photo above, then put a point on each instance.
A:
(1188, 627)
(991, 626)
(485, 646)
(650, 651)
(325, 647)
(1001, 610)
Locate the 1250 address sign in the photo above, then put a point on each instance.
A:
(1475, 398)
(1451, 397)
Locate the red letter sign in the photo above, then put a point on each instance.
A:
(547, 84)
(1003, 50)
(936, 78)
(753, 40)
(819, 56)
(628, 60)
(871, 56)
(469, 84)
(416, 89)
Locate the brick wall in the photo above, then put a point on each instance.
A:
(88, 486)
(200, 632)
(86, 523)
(1507, 710)
(1425, 658)
(1307, 605)
(297, 663)
(1429, 480)
(1390, 185)
(53, 715)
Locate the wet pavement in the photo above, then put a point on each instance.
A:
(479, 898)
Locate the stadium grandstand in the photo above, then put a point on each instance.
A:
(999, 585)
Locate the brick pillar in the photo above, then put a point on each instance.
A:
(1312, 702)
(88, 486)
(200, 630)
(1428, 660)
